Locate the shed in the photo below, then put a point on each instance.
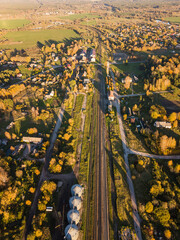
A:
(73, 216)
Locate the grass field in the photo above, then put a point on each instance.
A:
(27, 39)
(13, 23)
(173, 19)
(130, 68)
(124, 207)
(80, 16)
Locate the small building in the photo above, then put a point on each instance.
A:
(71, 232)
(35, 140)
(73, 217)
(133, 119)
(49, 209)
(75, 203)
(162, 124)
(86, 80)
(10, 126)
(111, 96)
(77, 190)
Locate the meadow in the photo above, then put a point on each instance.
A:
(13, 23)
(73, 17)
(28, 39)
(173, 19)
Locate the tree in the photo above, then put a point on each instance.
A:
(162, 215)
(175, 124)
(7, 135)
(28, 202)
(127, 83)
(167, 234)
(172, 117)
(48, 186)
(156, 189)
(19, 173)
(41, 207)
(17, 127)
(125, 117)
(149, 207)
(3, 177)
(38, 233)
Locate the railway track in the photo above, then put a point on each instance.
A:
(97, 193)
(101, 223)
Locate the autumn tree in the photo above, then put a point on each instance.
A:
(3, 177)
(128, 81)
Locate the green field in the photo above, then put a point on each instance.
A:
(13, 23)
(28, 39)
(173, 19)
(80, 16)
(128, 68)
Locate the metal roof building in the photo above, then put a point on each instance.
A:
(73, 216)
(71, 232)
(75, 203)
(77, 190)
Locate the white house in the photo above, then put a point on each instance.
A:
(162, 124)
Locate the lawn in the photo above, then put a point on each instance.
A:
(28, 39)
(13, 23)
(73, 17)
(173, 19)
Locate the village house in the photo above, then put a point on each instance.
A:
(162, 124)
(35, 140)
(111, 96)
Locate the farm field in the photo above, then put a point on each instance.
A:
(28, 39)
(80, 16)
(13, 23)
(173, 19)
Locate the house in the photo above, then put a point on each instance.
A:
(162, 124)
(133, 119)
(111, 96)
(86, 80)
(123, 80)
(49, 95)
(35, 140)
(19, 75)
(10, 126)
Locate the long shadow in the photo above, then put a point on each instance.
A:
(170, 106)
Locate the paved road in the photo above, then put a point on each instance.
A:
(149, 155)
(136, 217)
(139, 94)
